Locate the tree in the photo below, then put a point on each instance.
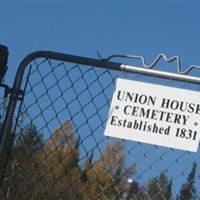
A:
(160, 187)
(106, 175)
(188, 190)
(131, 190)
(61, 164)
(21, 173)
(52, 170)
(100, 177)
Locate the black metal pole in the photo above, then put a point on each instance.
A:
(3, 61)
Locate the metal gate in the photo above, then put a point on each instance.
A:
(58, 108)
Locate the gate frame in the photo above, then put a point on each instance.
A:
(16, 94)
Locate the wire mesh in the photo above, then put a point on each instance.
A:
(60, 151)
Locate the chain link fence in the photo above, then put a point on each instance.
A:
(60, 151)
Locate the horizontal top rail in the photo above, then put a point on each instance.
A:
(102, 63)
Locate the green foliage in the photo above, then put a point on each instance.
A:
(61, 165)
(21, 173)
(51, 170)
(29, 138)
(160, 187)
(188, 190)
(105, 174)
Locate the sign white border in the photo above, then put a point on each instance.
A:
(137, 107)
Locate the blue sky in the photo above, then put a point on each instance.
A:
(144, 28)
(83, 27)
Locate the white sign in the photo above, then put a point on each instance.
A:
(155, 114)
